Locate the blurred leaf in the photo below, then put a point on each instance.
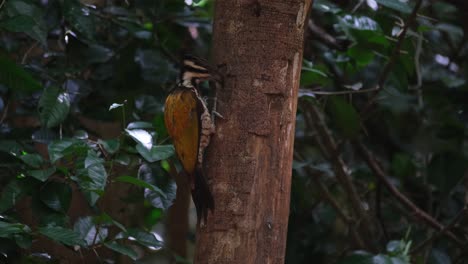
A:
(110, 145)
(140, 183)
(88, 231)
(345, 117)
(42, 175)
(81, 134)
(28, 18)
(53, 106)
(359, 22)
(80, 18)
(57, 148)
(143, 238)
(33, 160)
(139, 124)
(115, 105)
(362, 56)
(18, 24)
(156, 153)
(98, 54)
(142, 137)
(62, 235)
(446, 170)
(397, 5)
(96, 170)
(56, 195)
(23, 240)
(402, 165)
(122, 249)
(123, 159)
(148, 104)
(169, 188)
(10, 195)
(8, 229)
(15, 77)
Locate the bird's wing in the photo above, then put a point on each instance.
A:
(181, 116)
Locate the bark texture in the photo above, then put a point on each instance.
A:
(258, 45)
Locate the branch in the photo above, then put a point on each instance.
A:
(417, 212)
(331, 152)
(441, 232)
(393, 57)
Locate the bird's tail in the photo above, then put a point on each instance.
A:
(201, 195)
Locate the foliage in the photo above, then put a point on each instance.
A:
(82, 84)
(399, 95)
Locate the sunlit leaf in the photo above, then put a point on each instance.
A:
(141, 136)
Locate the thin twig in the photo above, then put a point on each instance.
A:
(26, 54)
(2, 3)
(441, 232)
(416, 211)
(5, 112)
(331, 152)
(346, 92)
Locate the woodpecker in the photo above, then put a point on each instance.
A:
(190, 125)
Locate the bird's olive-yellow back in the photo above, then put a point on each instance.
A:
(183, 125)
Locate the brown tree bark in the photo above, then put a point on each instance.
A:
(259, 45)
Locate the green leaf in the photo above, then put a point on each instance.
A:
(142, 137)
(396, 5)
(35, 27)
(80, 134)
(123, 159)
(446, 170)
(18, 24)
(143, 238)
(80, 18)
(8, 229)
(122, 249)
(23, 240)
(96, 170)
(53, 106)
(361, 55)
(344, 116)
(33, 160)
(139, 124)
(153, 175)
(57, 148)
(156, 153)
(63, 235)
(88, 231)
(42, 175)
(16, 78)
(140, 183)
(56, 195)
(10, 195)
(110, 145)
(402, 165)
(115, 105)
(104, 218)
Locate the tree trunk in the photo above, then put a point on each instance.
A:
(259, 45)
